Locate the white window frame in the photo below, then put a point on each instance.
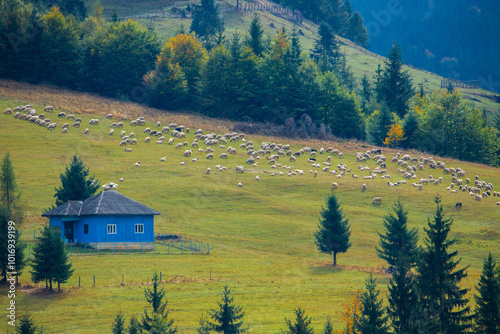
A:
(111, 228)
(139, 228)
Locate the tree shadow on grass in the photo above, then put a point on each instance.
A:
(324, 269)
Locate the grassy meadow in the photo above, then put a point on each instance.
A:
(261, 235)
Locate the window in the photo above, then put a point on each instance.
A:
(139, 228)
(86, 229)
(111, 228)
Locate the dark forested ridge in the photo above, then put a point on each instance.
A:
(453, 38)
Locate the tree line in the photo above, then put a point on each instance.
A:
(251, 78)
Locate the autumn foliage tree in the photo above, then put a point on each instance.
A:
(395, 136)
(351, 309)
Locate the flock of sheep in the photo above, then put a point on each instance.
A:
(276, 155)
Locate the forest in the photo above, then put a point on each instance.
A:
(273, 86)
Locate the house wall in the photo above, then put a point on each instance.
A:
(125, 228)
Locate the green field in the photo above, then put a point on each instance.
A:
(260, 235)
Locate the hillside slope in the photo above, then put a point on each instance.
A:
(362, 61)
(260, 235)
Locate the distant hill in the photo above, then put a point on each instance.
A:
(457, 39)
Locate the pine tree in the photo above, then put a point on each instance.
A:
(228, 319)
(27, 326)
(365, 94)
(356, 30)
(134, 326)
(326, 51)
(50, 259)
(381, 124)
(372, 319)
(204, 327)
(442, 299)
(75, 185)
(328, 327)
(256, 40)
(395, 84)
(206, 22)
(333, 232)
(302, 324)
(411, 127)
(487, 313)
(118, 326)
(398, 246)
(11, 217)
(159, 316)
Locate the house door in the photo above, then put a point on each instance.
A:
(68, 231)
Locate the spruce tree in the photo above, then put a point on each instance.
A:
(328, 327)
(134, 326)
(381, 125)
(159, 316)
(228, 319)
(118, 326)
(487, 313)
(356, 30)
(443, 301)
(396, 87)
(372, 319)
(11, 217)
(302, 324)
(50, 259)
(398, 246)
(27, 326)
(411, 127)
(206, 22)
(333, 232)
(256, 39)
(326, 51)
(75, 184)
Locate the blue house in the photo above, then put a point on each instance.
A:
(107, 218)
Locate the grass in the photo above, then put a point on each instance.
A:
(260, 235)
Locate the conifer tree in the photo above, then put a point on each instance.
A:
(356, 30)
(27, 326)
(206, 22)
(256, 39)
(398, 246)
(11, 217)
(50, 259)
(333, 232)
(228, 319)
(381, 124)
(487, 313)
(302, 324)
(326, 51)
(158, 318)
(328, 327)
(396, 86)
(134, 326)
(75, 185)
(442, 299)
(372, 319)
(118, 326)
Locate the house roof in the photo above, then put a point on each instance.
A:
(105, 203)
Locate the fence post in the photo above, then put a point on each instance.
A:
(163, 238)
(199, 246)
(172, 240)
(154, 245)
(127, 247)
(99, 249)
(122, 278)
(190, 245)
(168, 248)
(182, 250)
(160, 276)
(78, 281)
(141, 249)
(34, 235)
(208, 248)
(94, 281)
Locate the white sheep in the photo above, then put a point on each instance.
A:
(127, 149)
(207, 171)
(363, 187)
(257, 178)
(377, 200)
(240, 184)
(163, 159)
(86, 131)
(335, 185)
(147, 139)
(111, 132)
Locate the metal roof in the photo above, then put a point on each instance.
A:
(105, 203)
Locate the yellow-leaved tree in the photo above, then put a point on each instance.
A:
(351, 309)
(395, 136)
